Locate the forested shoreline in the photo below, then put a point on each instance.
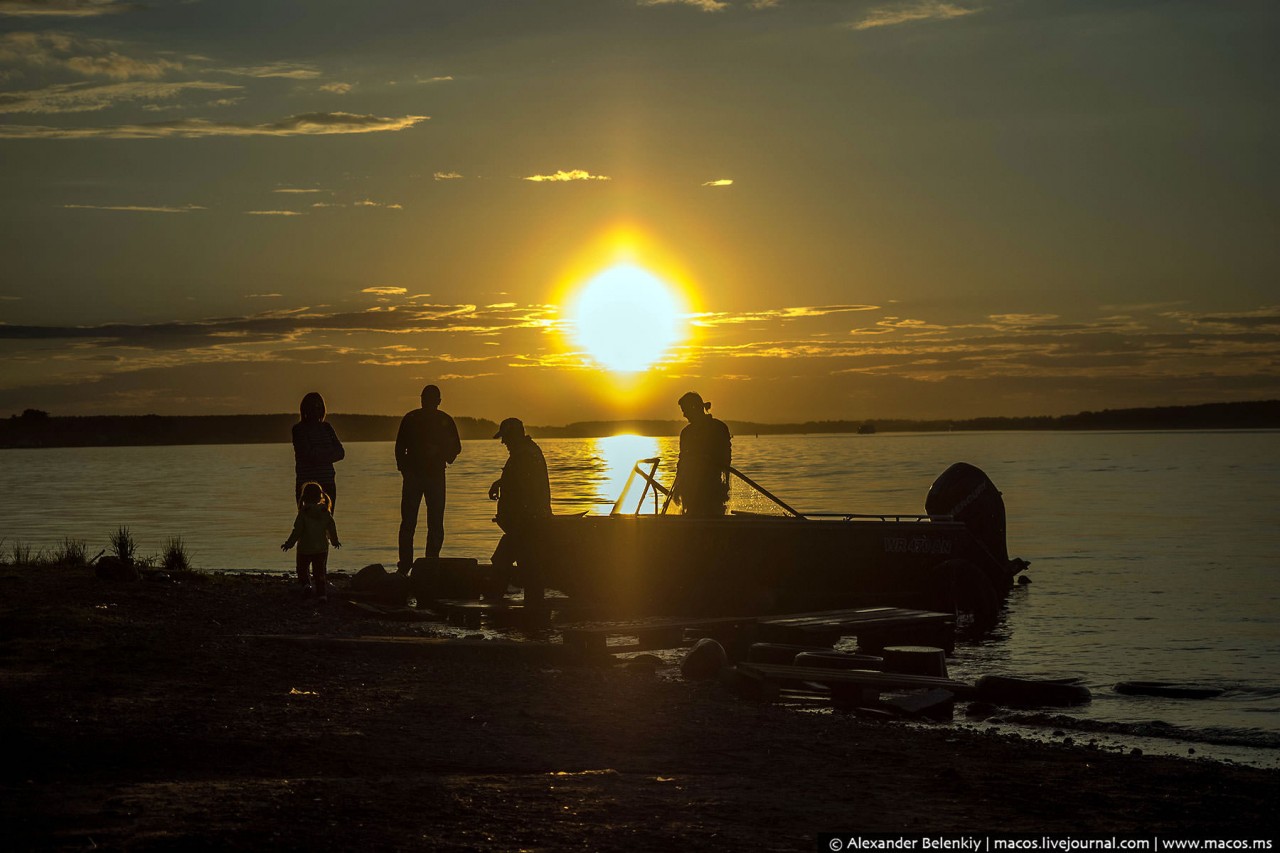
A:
(35, 428)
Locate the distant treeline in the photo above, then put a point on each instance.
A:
(35, 428)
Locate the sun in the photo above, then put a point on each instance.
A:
(626, 318)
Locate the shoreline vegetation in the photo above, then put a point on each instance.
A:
(35, 428)
(182, 710)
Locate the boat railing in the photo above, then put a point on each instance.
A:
(873, 516)
(650, 486)
(646, 470)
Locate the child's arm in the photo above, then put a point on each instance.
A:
(293, 535)
(333, 533)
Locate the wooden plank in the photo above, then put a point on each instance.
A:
(877, 680)
(877, 617)
(666, 634)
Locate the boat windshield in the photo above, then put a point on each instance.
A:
(643, 494)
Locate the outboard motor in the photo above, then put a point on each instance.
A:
(964, 492)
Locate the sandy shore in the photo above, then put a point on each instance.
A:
(153, 715)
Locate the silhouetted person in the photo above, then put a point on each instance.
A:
(313, 530)
(706, 452)
(426, 443)
(315, 449)
(523, 493)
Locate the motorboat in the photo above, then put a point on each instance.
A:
(762, 556)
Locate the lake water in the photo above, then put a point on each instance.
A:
(1154, 556)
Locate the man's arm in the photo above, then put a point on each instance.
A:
(401, 443)
(455, 444)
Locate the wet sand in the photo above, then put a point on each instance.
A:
(154, 715)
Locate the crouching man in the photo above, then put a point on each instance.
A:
(523, 493)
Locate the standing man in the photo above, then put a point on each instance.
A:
(523, 493)
(706, 452)
(426, 443)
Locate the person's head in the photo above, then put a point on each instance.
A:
(312, 407)
(312, 493)
(692, 406)
(510, 431)
(430, 397)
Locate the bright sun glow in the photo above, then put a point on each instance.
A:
(626, 318)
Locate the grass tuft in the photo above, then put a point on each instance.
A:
(122, 544)
(175, 557)
(70, 553)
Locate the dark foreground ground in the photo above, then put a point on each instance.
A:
(145, 716)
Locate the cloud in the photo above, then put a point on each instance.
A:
(336, 88)
(573, 175)
(448, 78)
(136, 208)
(283, 70)
(447, 176)
(308, 124)
(63, 8)
(274, 213)
(930, 10)
(704, 5)
(709, 319)
(722, 182)
(296, 190)
(368, 202)
(1262, 318)
(385, 291)
(88, 57)
(288, 325)
(83, 97)
(263, 295)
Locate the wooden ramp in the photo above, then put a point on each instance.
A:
(875, 627)
(835, 678)
(644, 636)
(513, 612)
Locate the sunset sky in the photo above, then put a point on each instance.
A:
(859, 209)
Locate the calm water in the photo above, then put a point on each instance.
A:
(1155, 556)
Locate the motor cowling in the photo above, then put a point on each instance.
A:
(967, 494)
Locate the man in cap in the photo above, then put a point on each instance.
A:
(706, 452)
(523, 493)
(426, 442)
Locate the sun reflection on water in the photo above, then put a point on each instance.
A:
(619, 453)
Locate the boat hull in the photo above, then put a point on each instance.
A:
(749, 564)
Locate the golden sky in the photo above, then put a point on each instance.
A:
(859, 209)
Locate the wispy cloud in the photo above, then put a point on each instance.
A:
(722, 182)
(337, 88)
(85, 56)
(274, 213)
(735, 319)
(136, 208)
(308, 124)
(263, 295)
(368, 202)
(385, 291)
(296, 190)
(283, 70)
(704, 5)
(447, 176)
(910, 13)
(447, 78)
(572, 175)
(63, 8)
(84, 97)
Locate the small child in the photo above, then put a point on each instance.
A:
(313, 530)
